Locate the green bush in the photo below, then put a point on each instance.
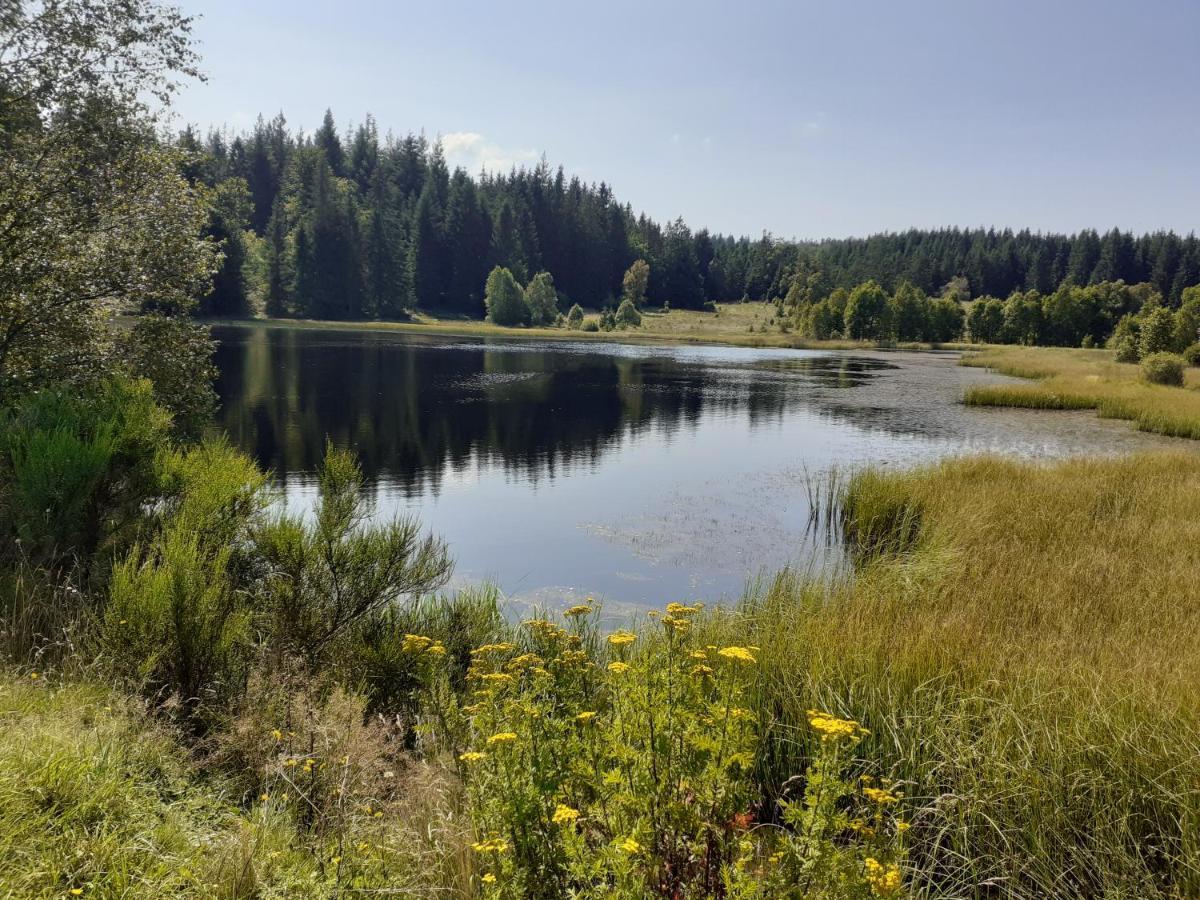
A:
(1192, 355)
(627, 315)
(1157, 331)
(1126, 349)
(575, 317)
(1163, 368)
(78, 470)
(505, 303)
(330, 571)
(591, 325)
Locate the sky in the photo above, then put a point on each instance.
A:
(806, 119)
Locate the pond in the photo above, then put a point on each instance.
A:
(638, 474)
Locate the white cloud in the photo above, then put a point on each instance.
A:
(473, 152)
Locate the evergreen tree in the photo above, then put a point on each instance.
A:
(327, 140)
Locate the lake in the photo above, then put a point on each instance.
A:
(638, 474)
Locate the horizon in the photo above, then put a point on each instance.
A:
(803, 121)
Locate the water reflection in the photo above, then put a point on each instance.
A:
(417, 409)
(640, 474)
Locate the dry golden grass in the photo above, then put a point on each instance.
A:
(1089, 379)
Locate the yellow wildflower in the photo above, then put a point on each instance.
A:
(902, 827)
(488, 878)
(264, 797)
(833, 728)
(581, 609)
(498, 677)
(698, 654)
(701, 670)
(491, 845)
(621, 638)
(884, 880)
(277, 734)
(585, 716)
(629, 845)
(741, 654)
(618, 668)
(880, 796)
(33, 676)
(76, 891)
(415, 643)
(472, 756)
(504, 737)
(564, 815)
(437, 649)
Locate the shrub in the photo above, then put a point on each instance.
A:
(1126, 349)
(627, 315)
(79, 470)
(1163, 368)
(607, 320)
(1192, 355)
(1157, 331)
(575, 317)
(710, 306)
(591, 325)
(330, 571)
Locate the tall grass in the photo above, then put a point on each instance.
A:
(1028, 665)
(1089, 379)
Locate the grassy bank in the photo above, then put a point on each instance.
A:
(1027, 667)
(1022, 641)
(737, 324)
(1088, 379)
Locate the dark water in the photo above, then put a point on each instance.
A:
(638, 474)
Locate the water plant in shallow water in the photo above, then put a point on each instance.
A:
(623, 767)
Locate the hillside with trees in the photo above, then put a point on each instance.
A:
(349, 224)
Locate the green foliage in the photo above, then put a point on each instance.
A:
(627, 315)
(541, 300)
(97, 215)
(867, 316)
(330, 572)
(77, 472)
(591, 325)
(1157, 334)
(624, 768)
(985, 320)
(575, 317)
(908, 313)
(633, 285)
(1192, 355)
(505, 302)
(1163, 368)
(176, 356)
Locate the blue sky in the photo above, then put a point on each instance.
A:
(808, 119)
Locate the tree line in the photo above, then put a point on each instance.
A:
(354, 225)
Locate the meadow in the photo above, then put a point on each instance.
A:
(1089, 379)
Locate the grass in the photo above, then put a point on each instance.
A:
(1089, 379)
(1027, 665)
(737, 324)
(99, 800)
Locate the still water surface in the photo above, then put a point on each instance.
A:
(639, 474)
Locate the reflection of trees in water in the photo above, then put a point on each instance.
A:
(412, 408)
